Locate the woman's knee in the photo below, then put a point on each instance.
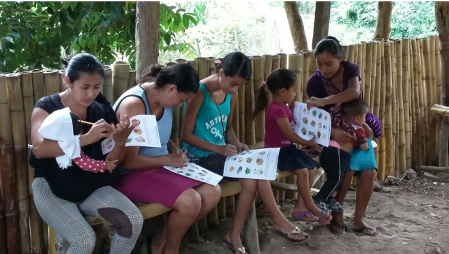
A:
(189, 202)
(210, 192)
(127, 223)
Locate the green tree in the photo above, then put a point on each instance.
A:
(36, 34)
(410, 19)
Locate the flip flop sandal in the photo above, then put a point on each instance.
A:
(291, 240)
(324, 218)
(231, 247)
(304, 216)
(361, 231)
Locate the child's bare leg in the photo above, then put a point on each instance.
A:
(243, 206)
(364, 191)
(303, 185)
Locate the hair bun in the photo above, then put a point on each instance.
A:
(334, 39)
(155, 69)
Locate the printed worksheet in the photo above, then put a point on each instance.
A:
(146, 132)
(312, 122)
(254, 164)
(196, 172)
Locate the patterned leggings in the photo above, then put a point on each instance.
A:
(67, 218)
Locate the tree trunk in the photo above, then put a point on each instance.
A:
(296, 26)
(383, 20)
(442, 20)
(321, 25)
(147, 35)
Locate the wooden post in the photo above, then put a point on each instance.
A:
(402, 145)
(367, 80)
(305, 72)
(388, 123)
(427, 79)
(384, 10)
(282, 60)
(230, 206)
(321, 24)
(381, 99)
(3, 110)
(147, 34)
(131, 79)
(51, 82)
(250, 137)
(38, 85)
(344, 52)
(222, 208)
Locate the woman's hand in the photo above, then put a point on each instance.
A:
(316, 102)
(314, 146)
(178, 160)
(123, 129)
(340, 136)
(368, 130)
(100, 129)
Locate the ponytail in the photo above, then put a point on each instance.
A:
(262, 101)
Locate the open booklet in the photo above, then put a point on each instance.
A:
(145, 134)
(196, 172)
(312, 122)
(254, 164)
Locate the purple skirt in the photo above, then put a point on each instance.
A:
(154, 186)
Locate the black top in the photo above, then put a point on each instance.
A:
(73, 183)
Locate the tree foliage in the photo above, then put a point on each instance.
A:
(410, 19)
(36, 34)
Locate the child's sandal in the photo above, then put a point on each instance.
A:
(324, 218)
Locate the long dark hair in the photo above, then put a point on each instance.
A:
(235, 64)
(278, 79)
(330, 45)
(182, 75)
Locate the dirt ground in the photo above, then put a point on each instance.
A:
(411, 218)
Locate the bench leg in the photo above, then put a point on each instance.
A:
(51, 241)
(222, 208)
(251, 232)
(193, 234)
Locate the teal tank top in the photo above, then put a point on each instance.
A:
(164, 125)
(208, 123)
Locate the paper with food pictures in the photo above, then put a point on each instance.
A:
(146, 132)
(313, 122)
(196, 172)
(254, 164)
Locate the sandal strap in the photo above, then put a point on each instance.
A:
(241, 249)
(296, 230)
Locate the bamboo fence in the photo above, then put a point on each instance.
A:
(401, 80)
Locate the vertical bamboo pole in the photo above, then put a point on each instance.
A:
(381, 100)
(35, 220)
(212, 68)
(378, 79)
(430, 136)
(394, 108)
(374, 76)
(276, 62)
(388, 122)
(241, 113)
(352, 53)
(402, 158)
(258, 80)
(120, 75)
(423, 102)
(107, 86)
(62, 85)
(305, 74)
(203, 72)
(51, 82)
(406, 86)
(268, 65)
(362, 61)
(435, 93)
(438, 77)
(4, 113)
(416, 109)
(367, 80)
(250, 135)
(344, 52)
(8, 167)
(38, 87)
(131, 79)
(282, 60)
